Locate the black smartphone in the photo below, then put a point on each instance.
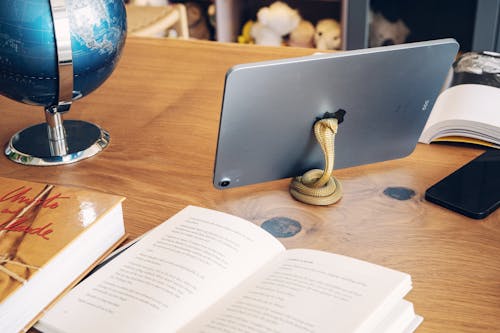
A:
(473, 190)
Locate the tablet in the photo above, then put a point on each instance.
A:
(269, 108)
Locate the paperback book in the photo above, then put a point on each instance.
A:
(208, 271)
(466, 113)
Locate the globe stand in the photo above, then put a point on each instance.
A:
(56, 141)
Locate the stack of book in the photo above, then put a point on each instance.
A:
(207, 271)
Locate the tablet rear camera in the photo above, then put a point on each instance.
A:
(225, 182)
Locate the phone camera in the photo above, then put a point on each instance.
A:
(225, 182)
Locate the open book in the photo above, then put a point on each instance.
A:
(207, 271)
(50, 237)
(468, 113)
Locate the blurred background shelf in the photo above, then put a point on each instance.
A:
(474, 23)
(480, 17)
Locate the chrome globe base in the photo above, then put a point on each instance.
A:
(36, 145)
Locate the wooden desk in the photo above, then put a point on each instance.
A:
(161, 107)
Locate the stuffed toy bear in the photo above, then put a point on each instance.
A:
(197, 21)
(384, 32)
(328, 35)
(303, 35)
(273, 23)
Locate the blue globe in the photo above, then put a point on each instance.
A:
(28, 55)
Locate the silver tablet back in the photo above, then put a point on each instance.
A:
(269, 109)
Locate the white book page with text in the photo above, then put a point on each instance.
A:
(306, 291)
(167, 278)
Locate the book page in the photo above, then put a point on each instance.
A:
(168, 277)
(466, 109)
(415, 323)
(399, 320)
(306, 291)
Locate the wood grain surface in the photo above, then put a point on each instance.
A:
(161, 107)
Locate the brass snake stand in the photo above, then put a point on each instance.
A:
(318, 187)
